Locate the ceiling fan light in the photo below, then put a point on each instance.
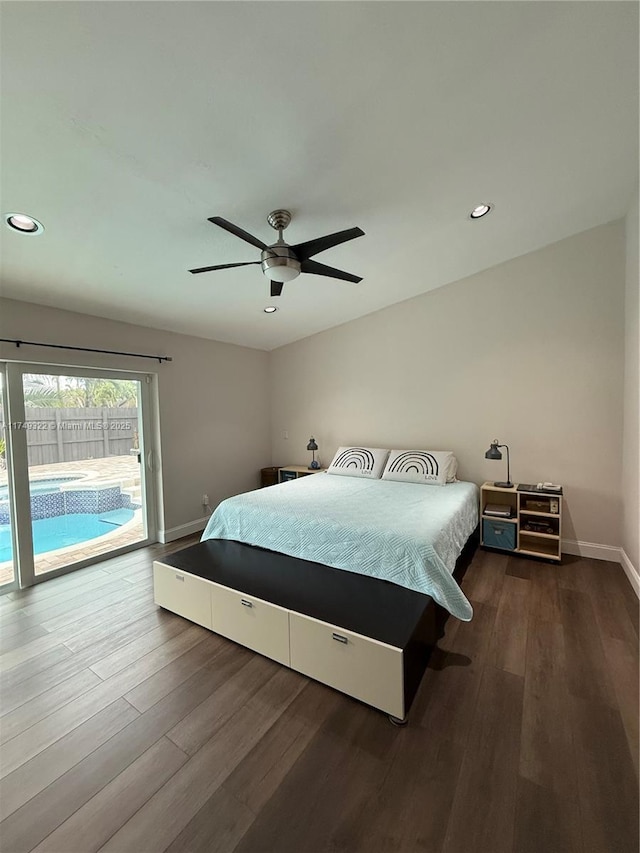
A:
(280, 268)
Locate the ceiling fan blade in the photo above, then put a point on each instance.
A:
(322, 269)
(276, 288)
(306, 250)
(239, 232)
(225, 266)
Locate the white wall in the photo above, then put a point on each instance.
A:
(213, 398)
(631, 435)
(530, 352)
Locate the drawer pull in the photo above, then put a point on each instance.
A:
(339, 638)
(246, 603)
(180, 578)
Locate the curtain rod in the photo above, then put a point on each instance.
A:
(18, 343)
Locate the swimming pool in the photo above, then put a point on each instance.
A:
(64, 530)
(41, 487)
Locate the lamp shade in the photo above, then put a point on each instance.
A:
(493, 452)
(312, 444)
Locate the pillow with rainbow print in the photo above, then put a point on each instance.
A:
(431, 467)
(359, 462)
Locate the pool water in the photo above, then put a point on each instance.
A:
(65, 530)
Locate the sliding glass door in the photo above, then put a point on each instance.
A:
(82, 462)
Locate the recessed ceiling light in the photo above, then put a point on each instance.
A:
(23, 223)
(270, 309)
(480, 210)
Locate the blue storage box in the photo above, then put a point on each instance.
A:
(499, 534)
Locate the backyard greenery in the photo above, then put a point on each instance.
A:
(78, 392)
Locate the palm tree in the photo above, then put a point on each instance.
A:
(45, 391)
(41, 391)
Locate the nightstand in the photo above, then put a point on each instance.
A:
(269, 476)
(524, 520)
(292, 472)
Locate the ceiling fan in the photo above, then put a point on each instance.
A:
(282, 262)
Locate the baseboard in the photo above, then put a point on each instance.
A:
(173, 533)
(611, 553)
(630, 571)
(591, 550)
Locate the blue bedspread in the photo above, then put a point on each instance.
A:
(409, 534)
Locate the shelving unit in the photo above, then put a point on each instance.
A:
(533, 528)
(292, 472)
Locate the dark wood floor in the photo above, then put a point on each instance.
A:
(125, 728)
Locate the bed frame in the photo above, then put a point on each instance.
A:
(367, 637)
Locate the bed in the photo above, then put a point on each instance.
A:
(406, 533)
(341, 578)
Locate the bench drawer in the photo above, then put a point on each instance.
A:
(365, 669)
(182, 593)
(254, 623)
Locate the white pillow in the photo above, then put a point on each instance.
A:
(359, 462)
(432, 467)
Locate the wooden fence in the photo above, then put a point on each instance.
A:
(69, 435)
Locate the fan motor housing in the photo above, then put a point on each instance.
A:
(279, 263)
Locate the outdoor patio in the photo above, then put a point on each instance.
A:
(123, 471)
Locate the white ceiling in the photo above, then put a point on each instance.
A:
(125, 125)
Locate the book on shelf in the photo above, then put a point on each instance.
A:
(548, 489)
(499, 510)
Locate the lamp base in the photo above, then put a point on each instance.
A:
(504, 485)
(314, 466)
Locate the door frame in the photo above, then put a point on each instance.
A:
(8, 438)
(19, 493)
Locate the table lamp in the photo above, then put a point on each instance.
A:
(313, 447)
(494, 453)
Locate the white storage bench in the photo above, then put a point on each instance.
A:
(366, 637)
